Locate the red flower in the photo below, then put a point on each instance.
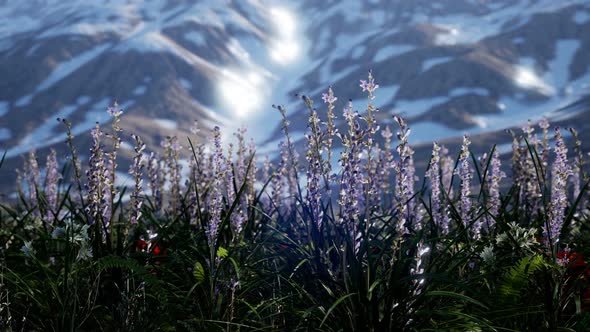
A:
(156, 250)
(140, 246)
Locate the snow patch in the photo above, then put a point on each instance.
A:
(185, 84)
(559, 67)
(45, 132)
(139, 90)
(67, 67)
(5, 134)
(33, 49)
(582, 17)
(518, 40)
(358, 52)
(427, 64)
(410, 108)
(461, 91)
(126, 146)
(166, 123)
(236, 49)
(196, 37)
(526, 77)
(24, 101)
(83, 100)
(426, 132)
(123, 179)
(386, 93)
(391, 51)
(4, 108)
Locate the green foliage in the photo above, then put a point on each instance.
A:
(515, 282)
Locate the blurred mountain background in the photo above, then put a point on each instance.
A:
(449, 67)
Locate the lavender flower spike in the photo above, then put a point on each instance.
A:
(559, 176)
(434, 175)
(404, 180)
(52, 178)
(495, 177)
(136, 171)
(216, 200)
(466, 174)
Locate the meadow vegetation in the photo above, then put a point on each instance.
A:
(348, 238)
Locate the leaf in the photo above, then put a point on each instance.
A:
(517, 278)
(458, 296)
(199, 272)
(222, 252)
(334, 306)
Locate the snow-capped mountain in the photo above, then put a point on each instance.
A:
(448, 66)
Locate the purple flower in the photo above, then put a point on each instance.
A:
(493, 188)
(52, 178)
(33, 177)
(369, 85)
(98, 180)
(404, 181)
(115, 111)
(466, 174)
(314, 169)
(351, 198)
(559, 176)
(156, 180)
(434, 175)
(215, 203)
(579, 174)
(136, 171)
(171, 156)
(329, 97)
(331, 131)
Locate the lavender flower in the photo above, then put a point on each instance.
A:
(351, 195)
(331, 129)
(493, 188)
(232, 178)
(215, 203)
(33, 176)
(279, 181)
(111, 160)
(136, 171)
(289, 164)
(404, 181)
(447, 165)
(530, 193)
(434, 175)
(171, 156)
(466, 174)
(52, 178)
(314, 168)
(446, 162)
(156, 180)
(369, 85)
(97, 177)
(372, 129)
(559, 176)
(578, 168)
(251, 175)
(386, 160)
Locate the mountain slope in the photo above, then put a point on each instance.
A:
(448, 66)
